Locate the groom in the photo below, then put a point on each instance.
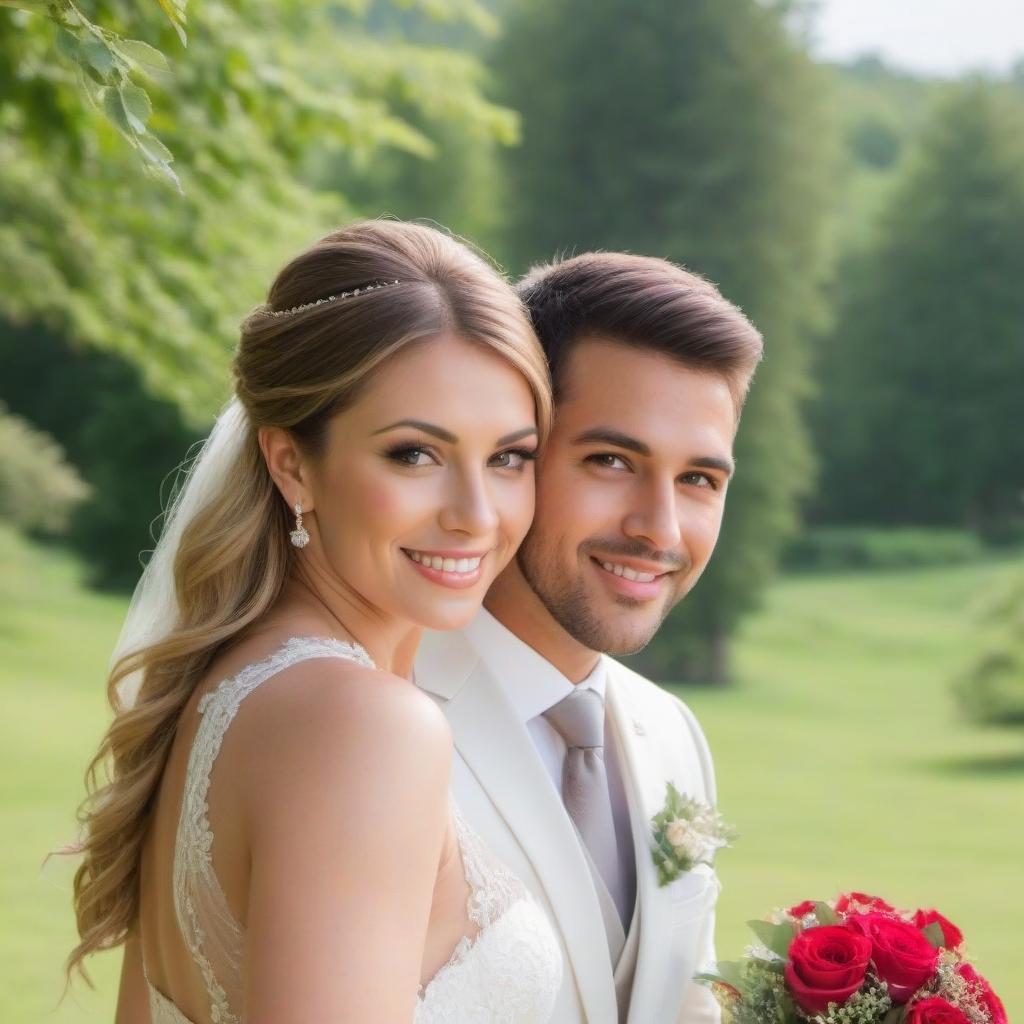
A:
(562, 753)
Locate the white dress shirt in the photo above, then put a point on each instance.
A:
(533, 685)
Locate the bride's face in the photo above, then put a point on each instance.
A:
(425, 487)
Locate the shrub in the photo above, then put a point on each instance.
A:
(39, 488)
(830, 548)
(991, 689)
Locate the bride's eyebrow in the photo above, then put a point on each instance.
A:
(428, 428)
(447, 436)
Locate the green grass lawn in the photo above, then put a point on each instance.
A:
(840, 755)
(843, 760)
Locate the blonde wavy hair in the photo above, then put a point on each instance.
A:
(294, 370)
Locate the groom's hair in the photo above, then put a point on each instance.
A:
(644, 302)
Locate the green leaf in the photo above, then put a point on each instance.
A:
(825, 914)
(67, 44)
(159, 159)
(175, 11)
(777, 937)
(728, 972)
(894, 1016)
(166, 171)
(137, 106)
(933, 933)
(155, 151)
(142, 55)
(98, 54)
(113, 107)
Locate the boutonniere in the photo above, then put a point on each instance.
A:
(686, 833)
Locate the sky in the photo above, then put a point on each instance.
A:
(938, 37)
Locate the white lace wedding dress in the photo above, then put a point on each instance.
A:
(509, 973)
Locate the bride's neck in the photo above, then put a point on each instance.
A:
(336, 609)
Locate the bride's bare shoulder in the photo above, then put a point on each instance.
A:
(333, 722)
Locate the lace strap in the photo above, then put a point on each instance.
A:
(492, 887)
(195, 883)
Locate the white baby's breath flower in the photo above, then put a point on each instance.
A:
(686, 841)
(759, 951)
(676, 831)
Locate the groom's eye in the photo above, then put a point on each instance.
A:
(700, 480)
(607, 460)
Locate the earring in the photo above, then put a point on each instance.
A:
(299, 536)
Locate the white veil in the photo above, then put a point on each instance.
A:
(154, 609)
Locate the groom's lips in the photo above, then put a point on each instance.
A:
(639, 590)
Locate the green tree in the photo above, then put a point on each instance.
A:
(124, 440)
(922, 378)
(695, 130)
(121, 297)
(95, 249)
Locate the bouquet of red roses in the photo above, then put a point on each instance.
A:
(856, 960)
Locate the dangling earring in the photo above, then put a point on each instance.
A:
(299, 536)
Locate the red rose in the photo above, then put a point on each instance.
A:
(904, 959)
(981, 988)
(801, 909)
(859, 901)
(936, 1011)
(951, 935)
(826, 965)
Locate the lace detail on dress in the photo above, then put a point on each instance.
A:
(508, 973)
(493, 888)
(210, 931)
(511, 970)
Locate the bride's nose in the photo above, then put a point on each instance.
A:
(469, 507)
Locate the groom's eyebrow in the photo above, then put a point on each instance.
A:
(448, 437)
(617, 439)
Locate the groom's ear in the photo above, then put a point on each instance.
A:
(287, 466)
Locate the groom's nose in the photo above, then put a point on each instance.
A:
(654, 515)
(470, 507)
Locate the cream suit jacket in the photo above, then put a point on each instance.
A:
(501, 787)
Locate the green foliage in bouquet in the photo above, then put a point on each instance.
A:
(754, 992)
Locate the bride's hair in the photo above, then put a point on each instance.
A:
(298, 363)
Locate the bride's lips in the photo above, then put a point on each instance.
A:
(455, 560)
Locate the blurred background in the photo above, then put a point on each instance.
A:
(851, 172)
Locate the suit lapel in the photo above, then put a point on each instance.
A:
(657, 988)
(497, 748)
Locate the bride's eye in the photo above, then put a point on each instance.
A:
(513, 458)
(411, 455)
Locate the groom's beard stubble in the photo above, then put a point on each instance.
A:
(628, 625)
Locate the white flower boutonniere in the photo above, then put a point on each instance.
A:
(686, 833)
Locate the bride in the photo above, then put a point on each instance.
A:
(269, 830)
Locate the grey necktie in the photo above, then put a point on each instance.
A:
(579, 719)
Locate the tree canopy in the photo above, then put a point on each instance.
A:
(95, 248)
(697, 131)
(923, 375)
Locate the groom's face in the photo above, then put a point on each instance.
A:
(630, 492)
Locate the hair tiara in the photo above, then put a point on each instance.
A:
(267, 311)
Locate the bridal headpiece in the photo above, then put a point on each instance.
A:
(267, 311)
